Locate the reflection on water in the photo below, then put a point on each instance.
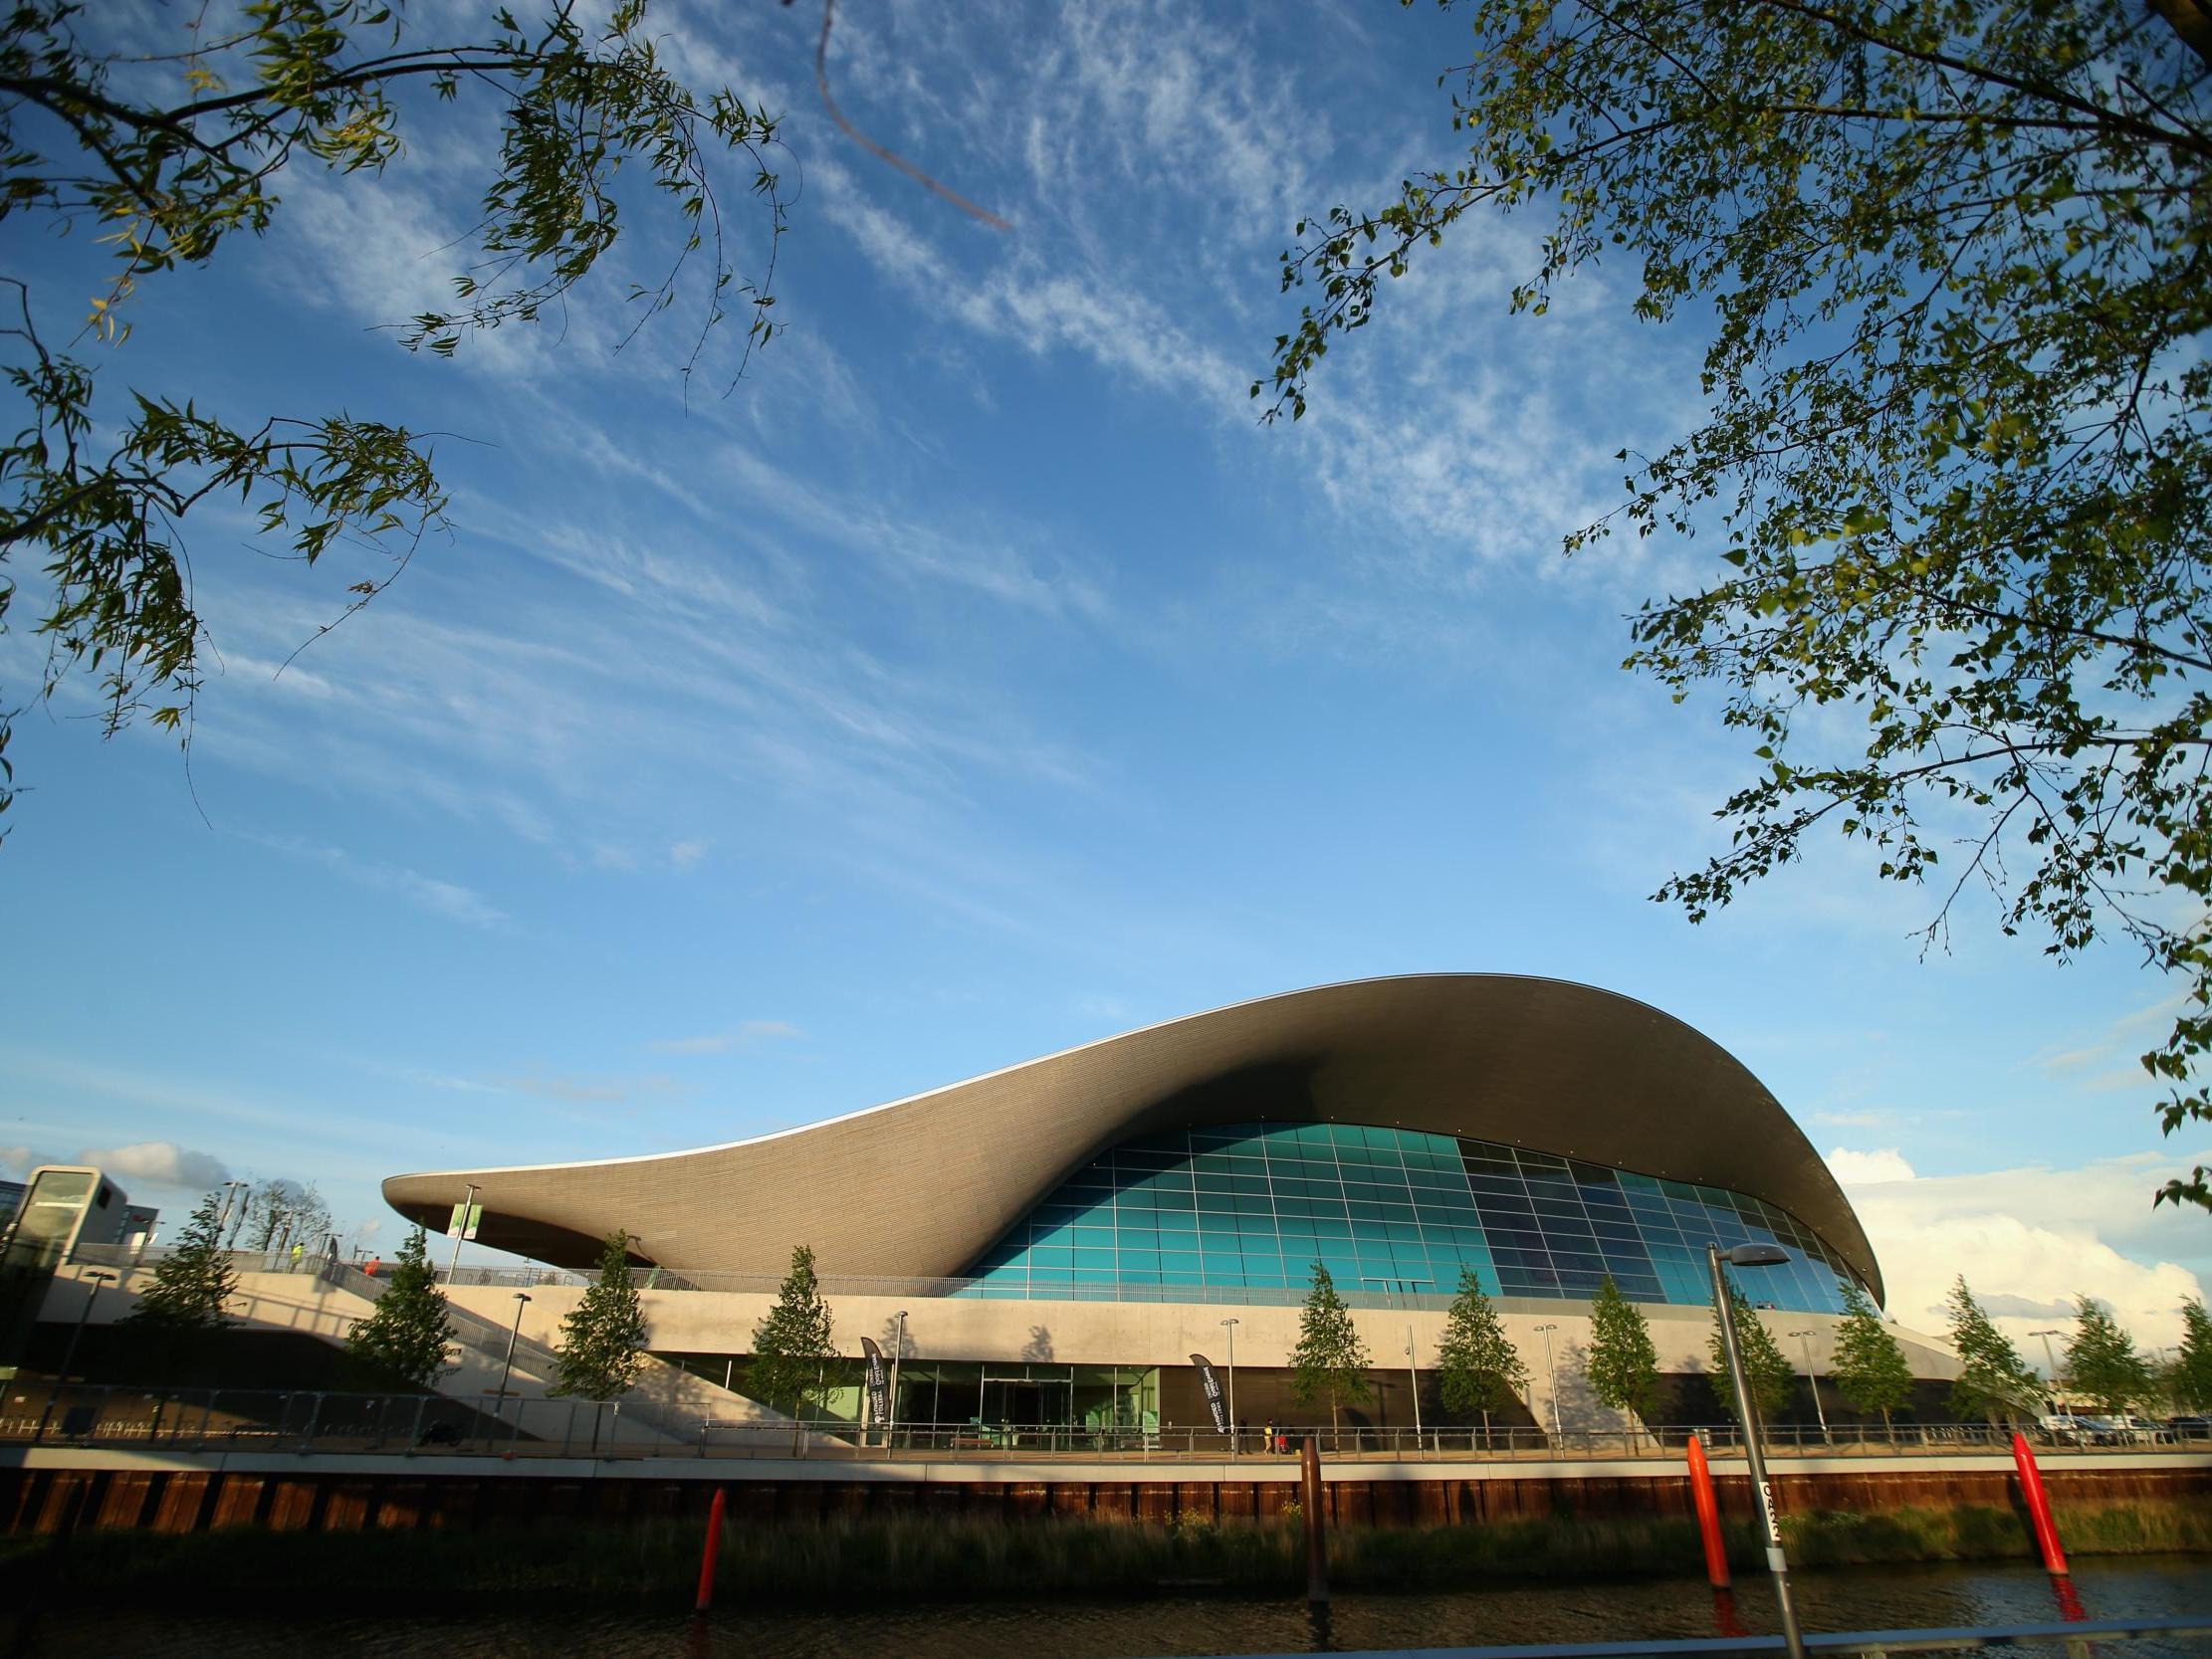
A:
(1862, 1599)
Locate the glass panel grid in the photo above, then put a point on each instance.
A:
(1390, 1209)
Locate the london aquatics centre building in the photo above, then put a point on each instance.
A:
(1058, 1242)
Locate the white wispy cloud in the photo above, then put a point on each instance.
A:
(722, 1042)
(591, 1090)
(450, 899)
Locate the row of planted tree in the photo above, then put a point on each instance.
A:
(1477, 1369)
(409, 1333)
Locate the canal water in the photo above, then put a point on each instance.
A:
(1856, 1599)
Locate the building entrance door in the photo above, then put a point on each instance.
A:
(1021, 1403)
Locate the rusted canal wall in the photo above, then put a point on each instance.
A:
(458, 1494)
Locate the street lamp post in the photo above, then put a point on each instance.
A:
(1551, 1377)
(468, 1209)
(232, 1201)
(898, 1347)
(2049, 1363)
(1755, 1255)
(1230, 1325)
(1412, 1377)
(93, 1282)
(1812, 1377)
(513, 1336)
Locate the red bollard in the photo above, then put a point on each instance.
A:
(1709, 1516)
(2038, 1505)
(713, 1552)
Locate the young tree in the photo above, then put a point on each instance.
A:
(1870, 1369)
(1477, 1367)
(1954, 447)
(1330, 1359)
(279, 1213)
(795, 1341)
(2101, 1361)
(2192, 1367)
(1992, 1378)
(602, 1338)
(1623, 1365)
(191, 1283)
(409, 1333)
(1767, 1371)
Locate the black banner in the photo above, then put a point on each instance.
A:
(1210, 1387)
(879, 1384)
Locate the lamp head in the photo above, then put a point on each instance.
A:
(1755, 1255)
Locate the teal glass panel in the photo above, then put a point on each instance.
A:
(1254, 1206)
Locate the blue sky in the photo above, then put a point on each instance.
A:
(976, 679)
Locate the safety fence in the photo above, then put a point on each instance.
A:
(1373, 1294)
(200, 1420)
(2079, 1637)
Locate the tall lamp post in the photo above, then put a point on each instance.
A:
(2049, 1363)
(898, 1347)
(1812, 1377)
(1755, 1255)
(93, 1282)
(232, 1191)
(1551, 1377)
(1412, 1377)
(508, 1369)
(1230, 1325)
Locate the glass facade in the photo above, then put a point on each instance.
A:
(59, 1209)
(1253, 1205)
(1017, 1393)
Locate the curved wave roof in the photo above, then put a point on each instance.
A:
(923, 1187)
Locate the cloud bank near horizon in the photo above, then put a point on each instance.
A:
(2028, 1241)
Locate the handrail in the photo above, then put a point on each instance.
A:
(1874, 1643)
(334, 1422)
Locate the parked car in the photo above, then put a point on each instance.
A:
(2189, 1427)
(2068, 1429)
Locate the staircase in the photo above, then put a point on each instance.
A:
(667, 1402)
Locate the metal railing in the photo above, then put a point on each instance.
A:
(2078, 1636)
(221, 1419)
(731, 1282)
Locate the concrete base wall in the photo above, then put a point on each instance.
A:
(48, 1492)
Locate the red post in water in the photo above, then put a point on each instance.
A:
(1709, 1516)
(2038, 1505)
(1725, 1614)
(713, 1551)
